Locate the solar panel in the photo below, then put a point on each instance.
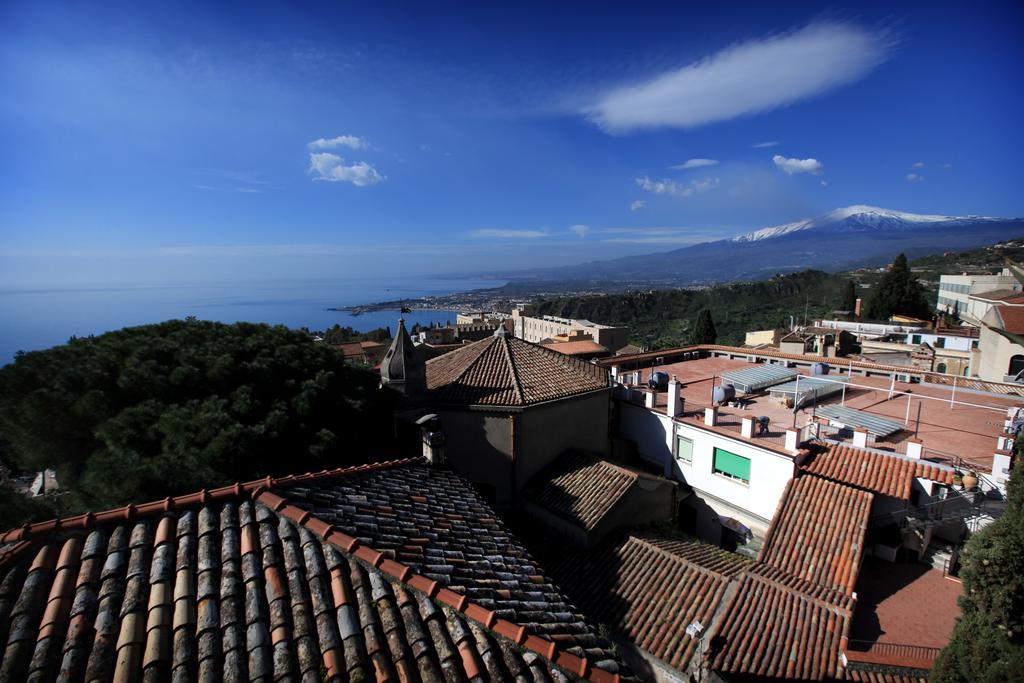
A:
(858, 419)
(809, 388)
(758, 377)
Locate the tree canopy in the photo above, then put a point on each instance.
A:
(988, 642)
(150, 411)
(898, 293)
(849, 302)
(704, 329)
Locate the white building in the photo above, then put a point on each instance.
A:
(955, 291)
(536, 329)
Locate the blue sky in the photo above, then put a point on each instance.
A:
(148, 142)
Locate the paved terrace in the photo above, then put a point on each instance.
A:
(905, 614)
(967, 430)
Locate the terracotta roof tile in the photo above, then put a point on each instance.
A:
(235, 589)
(507, 371)
(576, 347)
(581, 488)
(887, 474)
(772, 631)
(817, 534)
(650, 589)
(1012, 317)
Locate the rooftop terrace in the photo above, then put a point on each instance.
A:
(956, 426)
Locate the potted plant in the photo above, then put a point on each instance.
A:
(970, 480)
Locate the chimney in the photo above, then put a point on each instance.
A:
(675, 401)
(860, 437)
(433, 439)
(856, 308)
(711, 416)
(747, 427)
(915, 448)
(792, 440)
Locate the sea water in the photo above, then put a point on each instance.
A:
(39, 318)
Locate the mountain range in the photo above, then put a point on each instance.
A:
(850, 237)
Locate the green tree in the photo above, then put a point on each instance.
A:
(898, 293)
(849, 302)
(988, 642)
(704, 329)
(158, 410)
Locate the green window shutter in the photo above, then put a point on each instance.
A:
(732, 464)
(684, 449)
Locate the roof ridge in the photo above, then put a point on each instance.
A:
(403, 573)
(204, 496)
(843, 602)
(482, 344)
(512, 366)
(678, 558)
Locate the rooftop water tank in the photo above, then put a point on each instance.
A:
(723, 394)
(658, 380)
(819, 369)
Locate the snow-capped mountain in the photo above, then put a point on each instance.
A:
(850, 237)
(860, 217)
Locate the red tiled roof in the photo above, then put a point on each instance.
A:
(572, 348)
(507, 371)
(651, 589)
(242, 584)
(817, 534)
(581, 488)
(869, 676)
(884, 473)
(1012, 317)
(1008, 295)
(770, 630)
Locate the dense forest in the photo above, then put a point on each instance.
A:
(667, 318)
(340, 335)
(146, 412)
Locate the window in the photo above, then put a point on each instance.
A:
(684, 449)
(916, 339)
(940, 342)
(941, 367)
(731, 465)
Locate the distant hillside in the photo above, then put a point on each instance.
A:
(664, 318)
(839, 240)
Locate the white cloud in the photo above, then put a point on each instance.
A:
(748, 78)
(637, 204)
(579, 229)
(331, 167)
(506, 234)
(350, 141)
(694, 163)
(946, 166)
(791, 166)
(824, 183)
(675, 189)
(919, 164)
(914, 178)
(763, 145)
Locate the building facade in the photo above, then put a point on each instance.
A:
(538, 329)
(955, 291)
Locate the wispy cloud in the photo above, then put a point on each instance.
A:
(658, 235)
(498, 233)
(332, 168)
(694, 163)
(791, 166)
(579, 229)
(914, 178)
(350, 141)
(763, 145)
(747, 78)
(637, 204)
(918, 164)
(676, 189)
